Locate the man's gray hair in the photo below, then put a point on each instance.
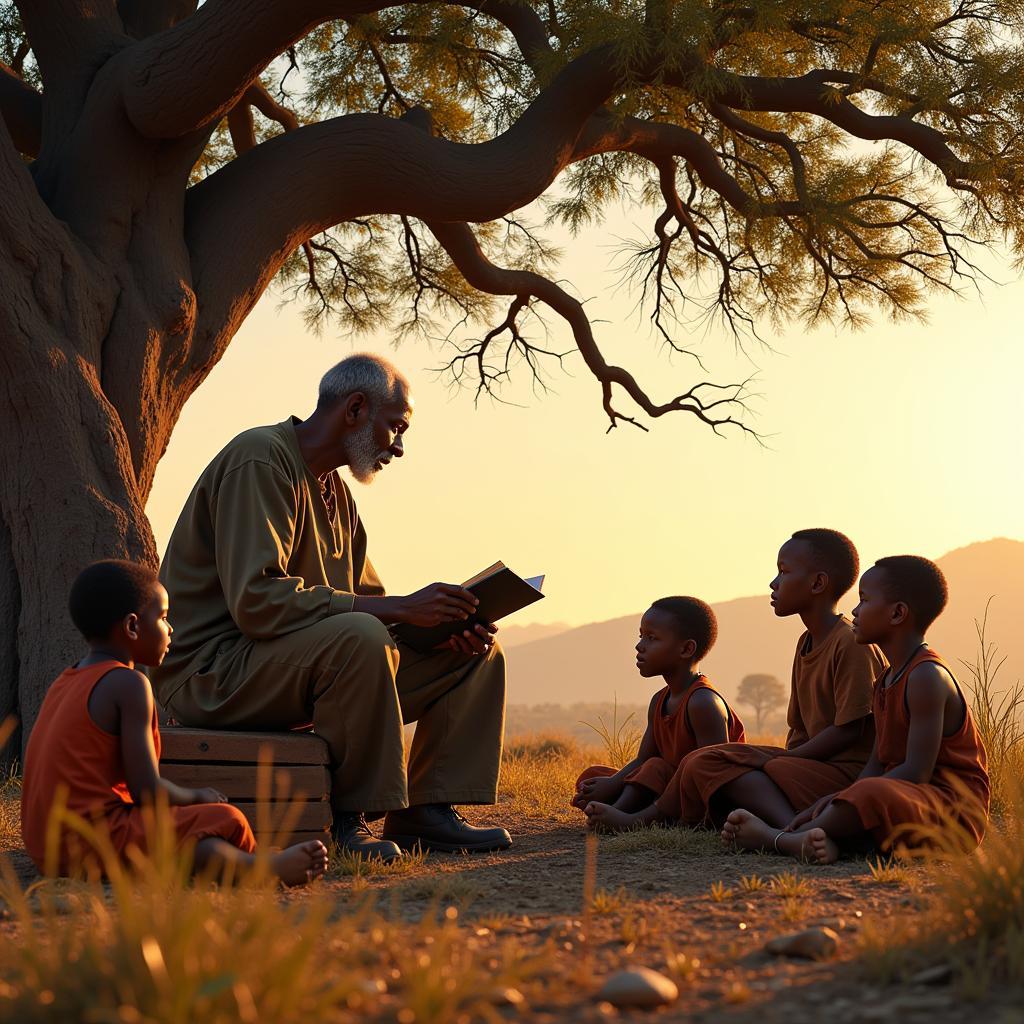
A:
(374, 376)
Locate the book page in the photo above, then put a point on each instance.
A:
(489, 571)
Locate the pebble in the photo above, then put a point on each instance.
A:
(507, 997)
(638, 986)
(810, 944)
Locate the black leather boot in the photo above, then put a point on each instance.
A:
(353, 835)
(440, 827)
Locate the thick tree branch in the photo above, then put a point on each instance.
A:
(166, 95)
(21, 108)
(812, 94)
(144, 18)
(351, 166)
(194, 73)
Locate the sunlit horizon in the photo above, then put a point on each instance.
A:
(903, 435)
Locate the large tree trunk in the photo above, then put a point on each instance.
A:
(68, 493)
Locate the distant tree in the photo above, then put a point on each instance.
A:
(162, 162)
(764, 693)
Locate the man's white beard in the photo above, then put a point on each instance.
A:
(362, 454)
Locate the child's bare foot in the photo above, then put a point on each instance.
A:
(300, 864)
(818, 848)
(748, 831)
(605, 818)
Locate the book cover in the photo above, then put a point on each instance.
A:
(500, 591)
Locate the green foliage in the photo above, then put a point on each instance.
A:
(803, 159)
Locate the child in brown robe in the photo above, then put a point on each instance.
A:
(830, 731)
(927, 772)
(95, 747)
(687, 713)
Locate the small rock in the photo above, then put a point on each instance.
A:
(810, 944)
(507, 997)
(937, 975)
(638, 986)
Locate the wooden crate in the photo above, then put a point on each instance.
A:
(286, 802)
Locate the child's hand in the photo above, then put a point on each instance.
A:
(603, 791)
(209, 795)
(809, 813)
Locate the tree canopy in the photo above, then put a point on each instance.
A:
(402, 166)
(818, 159)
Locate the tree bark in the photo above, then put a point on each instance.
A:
(10, 612)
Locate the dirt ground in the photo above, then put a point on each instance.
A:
(658, 895)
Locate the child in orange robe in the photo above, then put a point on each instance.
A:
(830, 729)
(927, 772)
(687, 713)
(96, 745)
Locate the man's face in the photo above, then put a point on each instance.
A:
(369, 448)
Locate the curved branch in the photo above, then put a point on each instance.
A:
(143, 18)
(462, 246)
(231, 42)
(21, 108)
(360, 164)
(811, 94)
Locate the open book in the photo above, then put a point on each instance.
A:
(500, 592)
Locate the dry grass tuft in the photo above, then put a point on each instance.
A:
(998, 716)
(605, 902)
(445, 887)
(752, 883)
(619, 740)
(663, 842)
(150, 945)
(973, 917)
(888, 871)
(342, 864)
(790, 884)
(720, 893)
(538, 776)
(682, 968)
(10, 810)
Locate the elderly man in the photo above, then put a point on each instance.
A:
(281, 620)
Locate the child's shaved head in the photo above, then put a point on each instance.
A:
(694, 619)
(918, 582)
(837, 557)
(105, 592)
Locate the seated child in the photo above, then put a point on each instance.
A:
(927, 771)
(96, 745)
(830, 730)
(687, 713)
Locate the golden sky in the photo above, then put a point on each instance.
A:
(906, 437)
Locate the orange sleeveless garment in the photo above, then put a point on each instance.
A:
(68, 750)
(832, 684)
(901, 813)
(674, 739)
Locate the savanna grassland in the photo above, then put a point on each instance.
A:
(528, 934)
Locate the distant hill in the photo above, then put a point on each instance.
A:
(516, 636)
(594, 663)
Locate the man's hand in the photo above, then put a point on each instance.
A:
(209, 795)
(477, 641)
(440, 602)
